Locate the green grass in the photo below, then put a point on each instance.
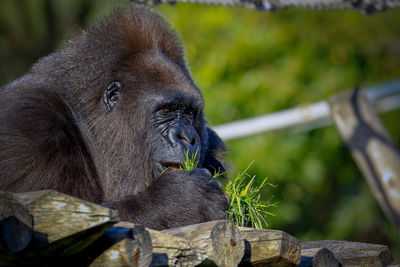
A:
(246, 207)
(190, 162)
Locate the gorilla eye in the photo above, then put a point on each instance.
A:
(111, 95)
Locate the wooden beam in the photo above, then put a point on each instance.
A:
(15, 224)
(316, 257)
(169, 250)
(372, 148)
(62, 226)
(269, 247)
(220, 240)
(57, 215)
(385, 96)
(124, 244)
(354, 253)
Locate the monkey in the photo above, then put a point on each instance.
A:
(109, 118)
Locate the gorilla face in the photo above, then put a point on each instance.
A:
(175, 135)
(172, 106)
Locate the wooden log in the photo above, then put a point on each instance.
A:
(318, 257)
(57, 216)
(354, 253)
(62, 226)
(372, 148)
(265, 247)
(124, 244)
(169, 250)
(220, 240)
(15, 224)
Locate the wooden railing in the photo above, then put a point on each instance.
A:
(355, 116)
(48, 228)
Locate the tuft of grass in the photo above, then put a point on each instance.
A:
(246, 207)
(190, 162)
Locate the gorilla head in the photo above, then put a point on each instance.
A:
(103, 118)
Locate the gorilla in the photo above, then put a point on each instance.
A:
(109, 118)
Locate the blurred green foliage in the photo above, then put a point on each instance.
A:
(250, 63)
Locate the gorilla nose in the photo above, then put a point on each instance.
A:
(183, 135)
(188, 137)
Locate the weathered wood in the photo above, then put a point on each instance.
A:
(62, 226)
(354, 253)
(124, 244)
(169, 250)
(220, 240)
(15, 224)
(264, 247)
(372, 148)
(318, 257)
(57, 216)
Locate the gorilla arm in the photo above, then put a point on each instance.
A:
(42, 145)
(175, 199)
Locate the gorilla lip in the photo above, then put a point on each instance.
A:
(173, 166)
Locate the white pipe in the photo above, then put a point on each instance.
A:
(385, 96)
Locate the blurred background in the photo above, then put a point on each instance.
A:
(250, 63)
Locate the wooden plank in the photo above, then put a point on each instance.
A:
(372, 148)
(62, 226)
(354, 253)
(15, 224)
(220, 240)
(57, 215)
(169, 250)
(124, 244)
(318, 257)
(265, 247)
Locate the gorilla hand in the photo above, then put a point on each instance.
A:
(176, 193)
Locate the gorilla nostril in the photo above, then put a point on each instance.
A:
(187, 139)
(194, 141)
(186, 136)
(183, 137)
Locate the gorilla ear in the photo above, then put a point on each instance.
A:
(216, 148)
(111, 95)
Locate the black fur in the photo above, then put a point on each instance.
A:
(101, 117)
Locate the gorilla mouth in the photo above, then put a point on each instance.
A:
(172, 165)
(161, 166)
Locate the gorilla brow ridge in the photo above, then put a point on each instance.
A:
(136, 31)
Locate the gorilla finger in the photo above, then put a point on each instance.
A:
(215, 184)
(228, 200)
(222, 215)
(204, 173)
(224, 202)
